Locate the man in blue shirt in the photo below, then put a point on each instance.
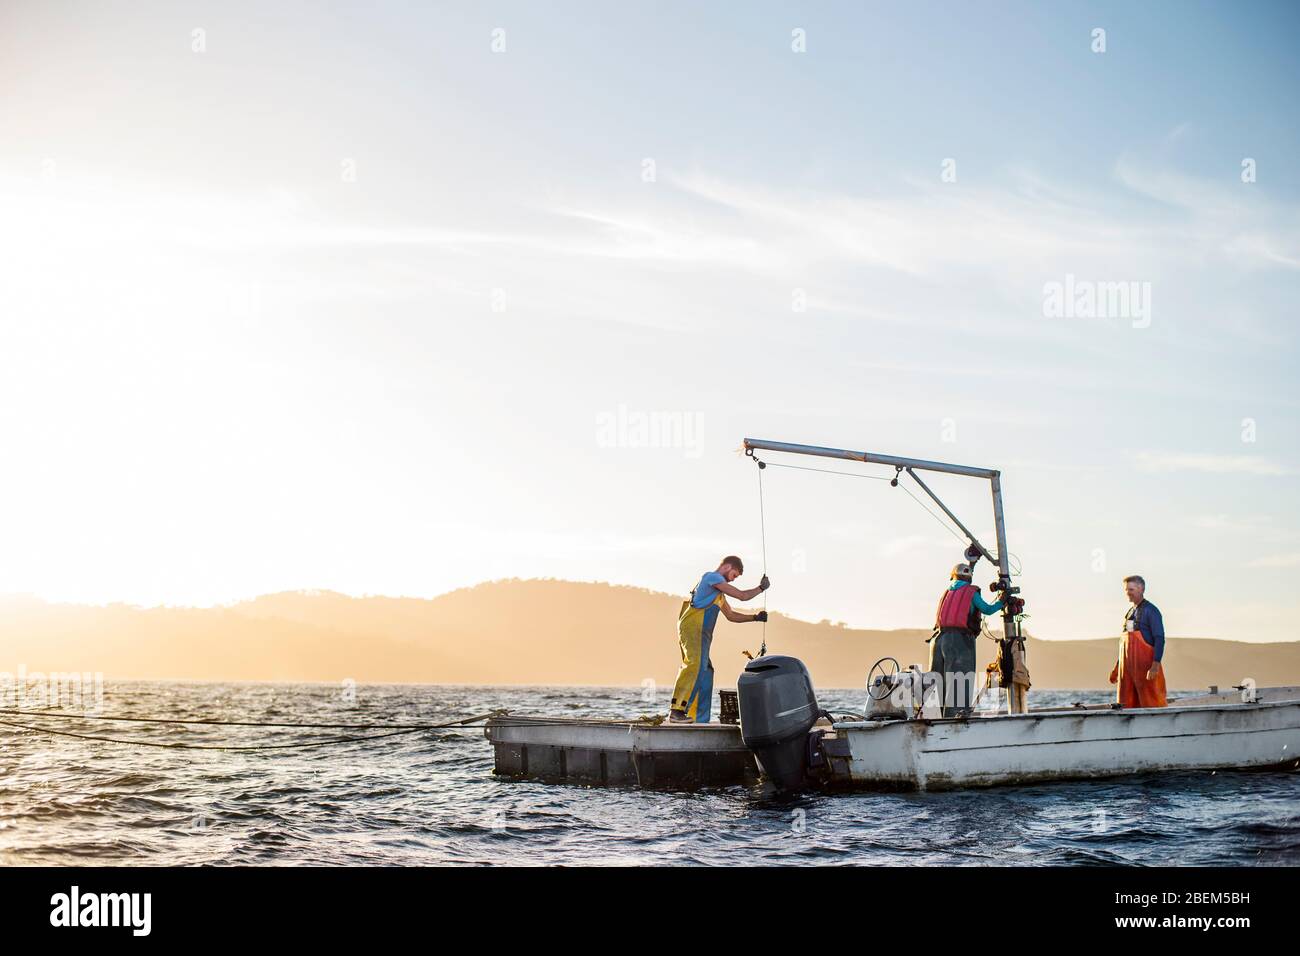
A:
(952, 645)
(1139, 673)
(693, 693)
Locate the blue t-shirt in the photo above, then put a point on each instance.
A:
(706, 591)
(1151, 624)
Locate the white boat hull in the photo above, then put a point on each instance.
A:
(1065, 744)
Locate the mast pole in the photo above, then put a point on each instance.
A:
(1013, 642)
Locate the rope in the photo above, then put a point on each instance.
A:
(762, 524)
(988, 682)
(843, 474)
(219, 723)
(502, 715)
(849, 474)
(321, 742)
(823, 471)
(827, 471)
(943, 524)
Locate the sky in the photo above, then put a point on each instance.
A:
(395, 298)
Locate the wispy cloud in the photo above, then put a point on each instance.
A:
(922, 228)
(1247, 524)
(1150, 461)
(1231, 221)
(1291, 560)
(1022, 229)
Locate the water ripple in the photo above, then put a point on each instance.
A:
(432, 799)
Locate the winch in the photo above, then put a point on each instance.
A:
(894, 694)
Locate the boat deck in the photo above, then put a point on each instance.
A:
(1086, 740)
(620, 752)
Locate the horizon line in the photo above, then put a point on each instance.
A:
(6, 596)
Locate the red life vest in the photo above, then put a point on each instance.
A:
(955, 608)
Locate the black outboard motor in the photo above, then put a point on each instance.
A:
(777, 709)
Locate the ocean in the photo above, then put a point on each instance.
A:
(431, 798)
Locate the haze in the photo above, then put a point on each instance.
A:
(341, 297)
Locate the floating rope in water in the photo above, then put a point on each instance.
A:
(174, 745)
(233, 723)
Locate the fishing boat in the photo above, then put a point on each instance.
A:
(1216, 731)
(784, 737)
(1243, 729)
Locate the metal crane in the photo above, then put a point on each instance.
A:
(1013, 642)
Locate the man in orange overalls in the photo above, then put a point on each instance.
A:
(1139, 674)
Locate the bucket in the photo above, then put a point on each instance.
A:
(728, 707)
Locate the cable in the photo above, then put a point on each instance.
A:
(762, 524)
(501, 715)
(762, 520)
(942, 523)
(824, 471)
(219, 723)
(849, 474)
(843, 474)
(178, 746)
(322, 742)
(827, 471)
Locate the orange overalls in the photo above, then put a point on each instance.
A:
(1135, 659)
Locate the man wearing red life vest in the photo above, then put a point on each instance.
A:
(1139, 673)
(952, 646)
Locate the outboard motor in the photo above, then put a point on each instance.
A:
(777, 709)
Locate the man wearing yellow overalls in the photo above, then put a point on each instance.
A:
(693, 693)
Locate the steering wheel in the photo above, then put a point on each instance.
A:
(886, 683)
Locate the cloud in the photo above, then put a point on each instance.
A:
(1291, 560)
(1016, 235)
(1250, 524)
(1233, 221)
(1160, 462)
(921, 228)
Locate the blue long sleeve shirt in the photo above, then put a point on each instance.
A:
(982, 605)
(1148, 620)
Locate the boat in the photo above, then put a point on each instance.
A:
(639, 753)
(1216, 731)
(784, 739)
(1247, 729)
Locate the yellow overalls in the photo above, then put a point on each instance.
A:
(693, 691)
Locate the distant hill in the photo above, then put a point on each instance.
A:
(519, 632)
